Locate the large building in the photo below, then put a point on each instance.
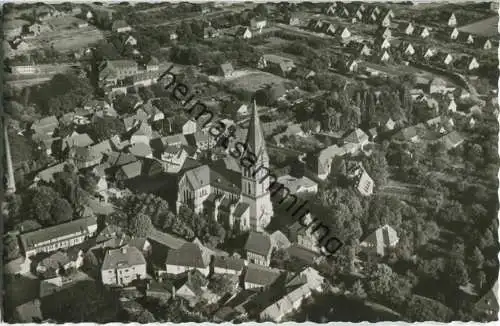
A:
(240, 200)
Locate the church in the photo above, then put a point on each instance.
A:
(238, 197)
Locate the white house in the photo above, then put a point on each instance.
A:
(123, 265)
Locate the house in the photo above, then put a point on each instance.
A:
(343, 33)
(407, 28)
(258, 248)
(384, 57)
(113, 70)
(175, 156)
(228, 265)
(466, 63)
(379, 241)
(84, 157)
(82, 24)
(258, 24)
(123, 265)
(450, 104)
(279, 240)
(443, 59)
(331, 10)
(142, 150)
(210, 32)
(190, 127)
(407, 49)
(488, 304)
(130, 41)
(452, 33)
(36, 28)
(482, 43)
(422, 32)
(329, 29)
(293, 20)
(302, 185)
(466, 38)
(409, 134)
(452, 20)
(258, 276)
(201, 140)
(58, 237)
(193, 288)
(241, 32)
(173, 36)
(385, 20)
(129, 171)
(364, 183)
(381, 44)
(383, 32)
(160, 290)
(14, 27)
(28, 312)
(321, 163)
(120, 26)
(189, 256)
(58, 262)
(277, 63)
(452, 140)
(226, 69)
(439, 85)
(357, 137)
(45, 126)
(427, 53)
(298, 287)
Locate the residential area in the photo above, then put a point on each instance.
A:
(237, 162)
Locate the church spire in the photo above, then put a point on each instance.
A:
(255, 137)
(11, 183)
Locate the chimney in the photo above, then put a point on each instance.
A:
(124, 250)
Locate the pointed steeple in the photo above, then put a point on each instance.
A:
(255, 137)
(11, 183)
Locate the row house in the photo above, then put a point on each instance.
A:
(57, 237)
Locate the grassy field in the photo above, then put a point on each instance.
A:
(255, 80)
(487, 27)
(66, 36)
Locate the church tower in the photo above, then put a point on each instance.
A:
(255, 180)
(10, 183)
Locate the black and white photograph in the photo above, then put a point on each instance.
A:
(244, 161)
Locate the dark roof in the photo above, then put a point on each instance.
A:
(29, 240)
(189, 254)
(259, 243)
(123, 257)
(232, 263)
(261, 275)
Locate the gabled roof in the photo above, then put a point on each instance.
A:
(188, 255)
(358, 136)
(383, 237)
(119, 24)
(30, 239)
(259, 243)
(231, 263)
(126, 256)
(261, 275)
(132, 170)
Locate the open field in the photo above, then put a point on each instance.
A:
(487, 27)
(66, 36)
(255, 80)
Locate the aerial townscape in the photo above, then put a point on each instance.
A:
(242, 161)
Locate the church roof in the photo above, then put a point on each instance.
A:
(255, 137)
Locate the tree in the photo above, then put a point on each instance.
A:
(106, 127)
(261, 9)
(40, 205)
(61, 211)
(10, 247)
(480, 280)
(477, 258)
(124, 103)
(457, 272)
(420, 308)
(358, 291)
(140, 226)
(222, 284)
